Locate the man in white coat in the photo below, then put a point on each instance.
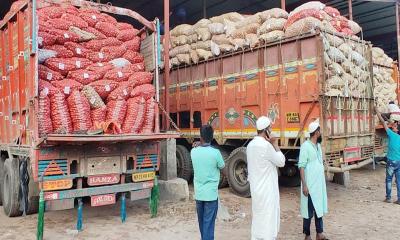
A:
(263, 158)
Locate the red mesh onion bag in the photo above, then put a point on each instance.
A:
(98, 115)
(136, 67)
(46, 87)
(124, 26)
(333, 12)
(147, 91)
(303, 14)
(50, 12)
(133, 45)
(113, 51)
(133, 57)
(100, 68)
(79, 108)
(127, 35)
(96, 45)
(46, 39)
(44, 115)
(116, 110)
(65, 65)
(77, 49)
(59, 114)
(67, 86)
(100, 57)
(48, 74)
(121, 92)
(60, 24)
(119, 74)
(140, 78)
(104, 87)
(63, 36)
(148, 124)
(76, 21)
(84, 76)
(62, 52)
(135, 115)
(91, 18)
(109, 19)
(96, 32)
(107, 29)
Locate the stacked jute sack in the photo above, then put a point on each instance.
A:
(235, 32)
(347, 69)
(384, 84)
(224, 33)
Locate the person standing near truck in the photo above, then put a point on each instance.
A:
(207, 163)
(263, 158)
(393, 158)
(313, 200)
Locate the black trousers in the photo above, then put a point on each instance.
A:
(319, 225)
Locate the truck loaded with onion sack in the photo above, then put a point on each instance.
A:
(293, 67)
(386, 87)
(79, 113)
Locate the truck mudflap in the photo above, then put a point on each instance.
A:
(345, 168)
(93, 191)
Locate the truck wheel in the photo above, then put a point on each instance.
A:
(223, 181)
(11, 188)
(2, 160)
(184, 163)
(290, 176)
(237, 172)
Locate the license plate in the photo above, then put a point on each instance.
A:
(105, 179)
(146, 176)
(103, 165)
(101, 200)
(57, 184)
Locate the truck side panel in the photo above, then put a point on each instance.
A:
(17, 82)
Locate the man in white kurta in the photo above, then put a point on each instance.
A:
(263, 158)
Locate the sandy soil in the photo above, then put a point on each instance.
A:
(356, 212)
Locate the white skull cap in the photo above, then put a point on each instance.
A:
(313, 126)
(263, 122)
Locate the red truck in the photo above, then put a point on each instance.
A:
(66, 166)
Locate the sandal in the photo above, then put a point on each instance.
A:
(321, 237)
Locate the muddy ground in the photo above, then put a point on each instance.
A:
(356, 212)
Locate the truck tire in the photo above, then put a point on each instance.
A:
(223, 181)
(184, 163)
(2, 160)
(237, 172)
(11, 188)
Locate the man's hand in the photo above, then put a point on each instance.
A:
(305, 190)
(274, 142)
(196, 144)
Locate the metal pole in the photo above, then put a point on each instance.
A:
(204, 8)
(398, 33)
(350, 2)
(166, 61)
(283, 4)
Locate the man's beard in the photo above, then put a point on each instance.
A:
(319, 139)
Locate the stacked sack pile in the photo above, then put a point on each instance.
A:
(384, 84)
(347, 69)
(91, 74)
(225, 33)
(233, 31)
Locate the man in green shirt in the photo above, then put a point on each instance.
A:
(313, 200)
(207, 163)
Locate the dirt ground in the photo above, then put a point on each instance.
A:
(356, 212)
